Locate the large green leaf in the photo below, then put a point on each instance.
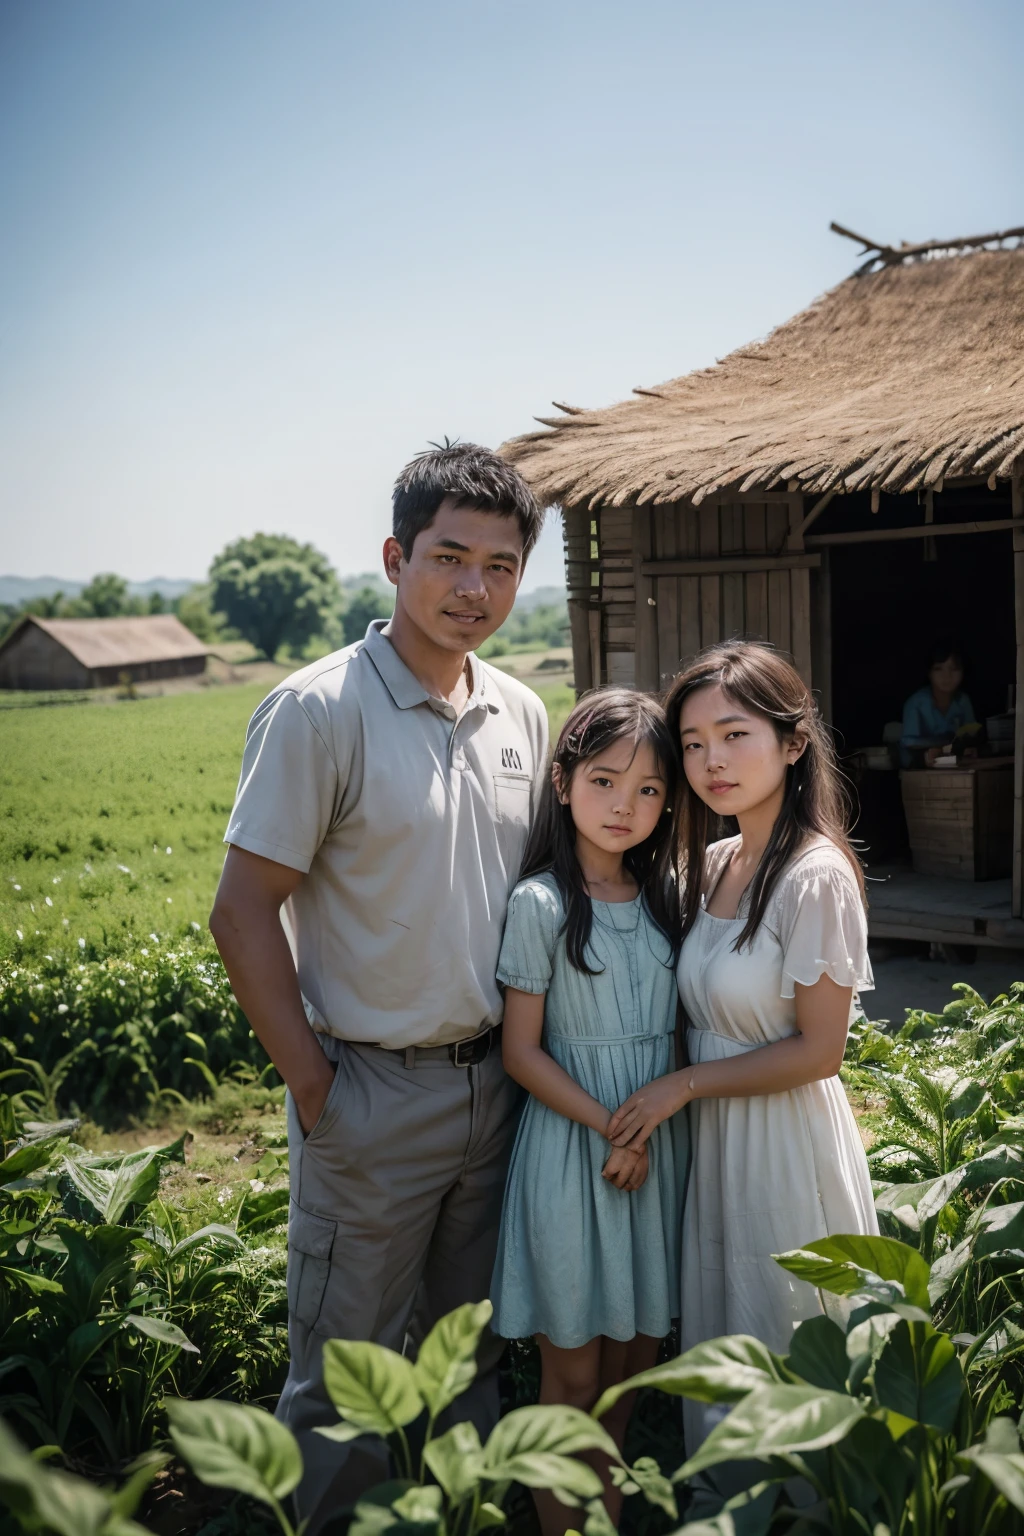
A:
(997, 1228)
(455, 1459)
(918, 1375)
(776, 1421)
(999, 1459)
(914, 1204)
(112, 1184)
(25, 1161)
(373, 1388)
(446, 1363)
(529, 1440)
(235, 1445)
(846, 1265)
(47, 1499)
(818, 1356)
(717, 1371)
(399, 1507)
(214, 1236)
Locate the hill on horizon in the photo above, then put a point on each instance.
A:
(15, 590)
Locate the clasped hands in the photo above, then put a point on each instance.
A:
(634, 1122)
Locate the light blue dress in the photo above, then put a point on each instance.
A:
(576, 1256)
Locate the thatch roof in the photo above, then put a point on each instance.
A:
(119, 642)
(893, 380)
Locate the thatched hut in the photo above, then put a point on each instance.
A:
(98, 653)
(846, 488)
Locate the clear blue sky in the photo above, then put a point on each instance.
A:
(255, 253)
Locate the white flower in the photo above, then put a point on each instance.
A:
(256, 1185)
(81, 943)
(224, 1195)
(19, 933)
(169, 850)
(168, 901)
(124, 869)
(62, 1007)
(56, 879)
(49, 903)
(195, 926)
(16, 886)
(143, 951)
(154, 938)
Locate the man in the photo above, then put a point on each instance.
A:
(381, 818)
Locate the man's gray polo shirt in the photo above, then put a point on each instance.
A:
(410, 827)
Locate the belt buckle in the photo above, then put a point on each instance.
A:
(455, 1051)
(475, 1048)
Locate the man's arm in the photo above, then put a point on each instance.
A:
(246, 926)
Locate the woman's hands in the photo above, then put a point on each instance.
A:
(635, 1120)
(627, 1169)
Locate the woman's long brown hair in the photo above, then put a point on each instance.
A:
(602, 717)
(756, 677)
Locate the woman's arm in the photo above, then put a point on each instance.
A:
(813, 1053)
(529, 1064)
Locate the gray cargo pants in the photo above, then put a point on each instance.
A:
(396, 1201)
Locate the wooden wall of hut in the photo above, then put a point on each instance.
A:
(650, 586)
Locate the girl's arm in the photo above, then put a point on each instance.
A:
(813, 1053)
(528, 1063)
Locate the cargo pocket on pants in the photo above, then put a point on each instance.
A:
(310, 1240)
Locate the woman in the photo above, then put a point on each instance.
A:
(933, 715)
(774, 949)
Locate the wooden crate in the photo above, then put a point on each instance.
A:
(960, 820)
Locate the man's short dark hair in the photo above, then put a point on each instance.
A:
(473, 477)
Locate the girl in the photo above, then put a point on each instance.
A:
(589, 1249)
(774, 948)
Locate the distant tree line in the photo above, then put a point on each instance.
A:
(283, 597)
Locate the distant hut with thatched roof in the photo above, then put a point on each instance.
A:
(97, 653)
(849, 489)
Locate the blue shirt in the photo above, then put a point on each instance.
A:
(924, 724)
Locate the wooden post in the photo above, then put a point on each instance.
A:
(1017, 905)
(646, 610)
(578, 566)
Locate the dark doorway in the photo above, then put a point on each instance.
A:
(890, 602)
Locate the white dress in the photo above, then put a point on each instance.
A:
(781, 1170)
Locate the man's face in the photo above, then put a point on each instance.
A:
(461, 578)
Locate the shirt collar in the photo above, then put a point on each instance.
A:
(404, 687)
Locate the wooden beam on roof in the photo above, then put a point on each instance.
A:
(920, 531)
(813, 515)
(894, 253)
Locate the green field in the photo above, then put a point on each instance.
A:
(111, 817)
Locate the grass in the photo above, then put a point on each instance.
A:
(112, 819)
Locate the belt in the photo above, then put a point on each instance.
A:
(463, 1053)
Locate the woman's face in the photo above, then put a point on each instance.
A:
(946, 676)
(732, 757)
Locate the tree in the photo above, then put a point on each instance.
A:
(106, 596)
(362, 607)
(274, 591)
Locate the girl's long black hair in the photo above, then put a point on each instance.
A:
(602, 717)
(756, 677)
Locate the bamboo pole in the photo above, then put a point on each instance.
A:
(1017, 904)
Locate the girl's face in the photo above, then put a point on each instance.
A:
(733, 758)
(617, 796)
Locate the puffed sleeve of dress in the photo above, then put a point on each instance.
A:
(822, 925)
(532, 931)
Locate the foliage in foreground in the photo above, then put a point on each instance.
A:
(108, 1300)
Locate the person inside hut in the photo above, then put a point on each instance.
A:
(934, 715)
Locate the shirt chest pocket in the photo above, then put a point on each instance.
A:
(512, 815)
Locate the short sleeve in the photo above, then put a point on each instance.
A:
(532, 933)
(288, 788)
(822, 925)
